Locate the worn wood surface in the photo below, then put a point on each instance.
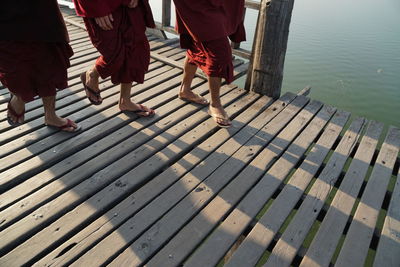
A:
(388, 252)
(177, 190)
(330, 231)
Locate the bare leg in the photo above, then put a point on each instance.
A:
(216, 108)
(185, 91)
(18, 105)
(50, 116)
(92, 81)
(126, 104)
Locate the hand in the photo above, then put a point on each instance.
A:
(105, 22)
(133, 3)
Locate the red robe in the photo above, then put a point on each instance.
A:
(34, 49)
(207, 20)
(204, 26)
(125, 51)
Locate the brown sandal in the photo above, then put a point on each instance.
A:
(89, 91)
(68, 124)
(14, 113)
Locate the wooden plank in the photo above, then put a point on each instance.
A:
(66, 98)
(13, 175)
(286, 248)
(388, 251)
(100, 228)
(269, 224)
(163, 157)
(76, 159)
(324, 243)
(81, 157)
(4, 202)
(191, 180)
(358, 238)
(166, 49)
(185, 241)
(252, 4)
(112, 193)
(177, 217)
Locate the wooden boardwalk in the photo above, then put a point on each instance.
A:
(293, 182)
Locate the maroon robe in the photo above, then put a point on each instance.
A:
(204, 27)
(125, 51)
(34, 49)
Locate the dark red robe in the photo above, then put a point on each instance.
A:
(204, 27)
(34, 49)
(125, 51)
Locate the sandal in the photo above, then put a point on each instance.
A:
(217, 117)
(197, 99)
(150, 112)
(68, 124)
(14, 113)
(89, 91)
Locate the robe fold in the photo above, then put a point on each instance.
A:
(125, 51)
(204, 27)
(34, 49)
(207, 20)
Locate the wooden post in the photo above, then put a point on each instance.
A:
(166, 13)
(269, 47)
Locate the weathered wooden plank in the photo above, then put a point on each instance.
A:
(103, 226)
(185, 241)
(6, 200)
(358, 238)
(164, 156)
(13, 175)
(78, 35)
(166, 49)
(269, 224)
(113, 192)
(154, 211)
(84, 50)
(81, 157)
(177, 217)
(286, 248)
(388, 251)
(252, 4)
(76, 159)
(324, 243)
(75, 94)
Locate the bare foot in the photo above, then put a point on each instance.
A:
(220, 116)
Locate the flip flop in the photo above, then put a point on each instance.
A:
(90, 90)
(198, 99)
(218, 117)
(14, 113)
(142, 109)
(68, 124)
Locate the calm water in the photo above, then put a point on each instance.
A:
(348, 51)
